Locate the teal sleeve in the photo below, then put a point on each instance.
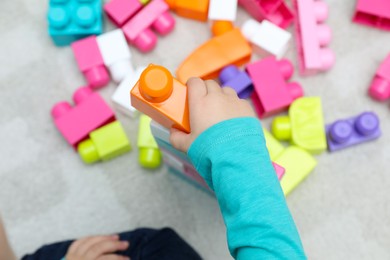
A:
(232, 158)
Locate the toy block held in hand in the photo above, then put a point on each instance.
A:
(90, 62)
(89, 113)
(120, 11)
(380, 85)
(275, 11)
(154, 15)
(272, 93)
(238, 80)
(149, 154)
(71, 20)
(207, 61)
(193, 9)
(375, 13)
(266, 38)
(223, 10)
(162, 97)
(312, 35)
(121, 96)
(304, 126)
(116, 54)
(104, 144)
(348, 132)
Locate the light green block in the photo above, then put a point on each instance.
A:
(144, 2)
(149, 153)
(275, 148)
(105, 143)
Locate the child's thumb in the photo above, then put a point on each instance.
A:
(179, 140)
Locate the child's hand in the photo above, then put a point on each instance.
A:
(209, 104)
(97, 247)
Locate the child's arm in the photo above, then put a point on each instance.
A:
(227, 147)
(6, 252)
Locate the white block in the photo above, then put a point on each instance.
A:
(266, 38)
(116, 54)
(174, 162)
(225, 10)
(160, 132)
(121, 96)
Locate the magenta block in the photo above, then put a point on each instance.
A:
(273, 93)
(279, 171)
(90, 62)
(380, 85)
(89, 113)
(275, 11)
(138, 30)
(120, 11)
(375, 13)
(312, 35)
(232, 77)
(345, 133)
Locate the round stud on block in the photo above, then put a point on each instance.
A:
(286, 68)
(367, 123)
(60, 109)
(81, 94)
(327, 59)
(321, 11)
(146, 41)
(340, 131)
(88, 151)
(120, 70)
(149, 158)
(250, 28)
(58, 17)
(85, 16)
(156, 83)
(97, 77)
(281, 128)
(295, 89)
(164, 24)
(380, 89)
(221, 27)
(324, 34)
(228, 73)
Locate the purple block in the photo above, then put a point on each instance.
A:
(232, 77)
(345, 133)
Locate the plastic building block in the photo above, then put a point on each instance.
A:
(120, 11)
(312, 35)
(345, 133)
(375, 13)
(272, 93)
(266, 38)
(298, 164)
(71, 20)
(279, 171)
(230, 48)
(380, 85)
(304, 125)
(275, 148)
(232, 77)
(144, 2)
(89, 113)
(223, 10)
(193, 9)
(149, 154)
(104, 144)
(221, 27)
(121, 96)
(154, 15)
(162, 97)
(90, 62)
(116, 54)
(275, 11)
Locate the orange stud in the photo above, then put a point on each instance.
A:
(156, 84)
(221, 27)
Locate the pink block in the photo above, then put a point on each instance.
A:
(90, 62)
(120, 11)
(272, 93)
(311, 37)
(89, 113)
(279, 170)
(375, 13)
(380, 85)
(275, 11)
(155, 15)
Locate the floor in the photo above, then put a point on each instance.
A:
(47, 194)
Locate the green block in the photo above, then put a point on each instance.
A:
(104, 143)
(275, 148)
(149, 153)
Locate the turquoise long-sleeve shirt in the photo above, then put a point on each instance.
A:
(233, 159)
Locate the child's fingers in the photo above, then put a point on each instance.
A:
(212, 87)
(196, 90)
(179, 139)
(229, 91)
(81, 246)
(113, 257)
(106, 247)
